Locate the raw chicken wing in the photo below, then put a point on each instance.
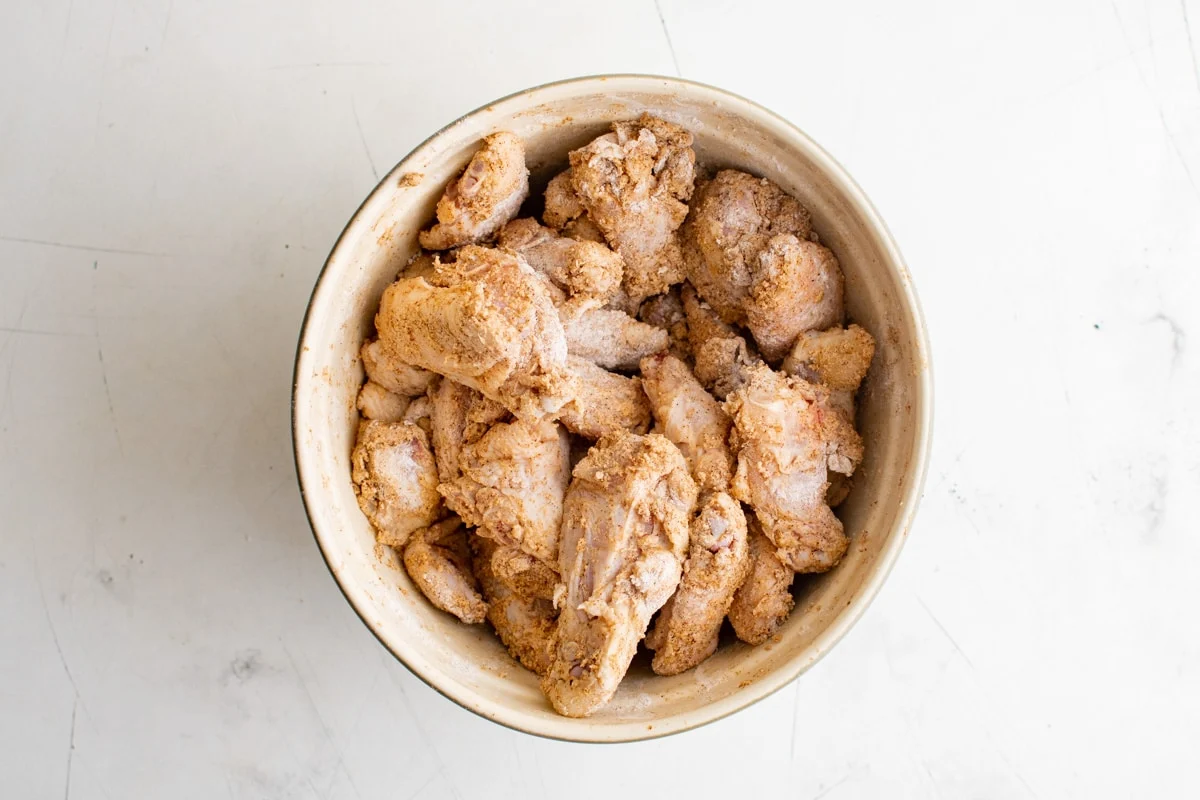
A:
(579, 268)
(511, 485)
(525, 626)
(439, 562)
(717, 564)
(392, 374)
(486, 321)
(798, 287)
(721, 356)
(395, 479)
(787, 436)
(607, 337)
(689, 416)
(764, 600)
(487, 194)
(606, 402)
(524, 574)
(666, 311)
(634, 183)
(376, 402)
(625, 534)
(562, 203)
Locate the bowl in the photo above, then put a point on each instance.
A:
(468, 664)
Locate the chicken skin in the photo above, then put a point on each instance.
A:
(751, 253)
(721, 356)
(487, 321)
(717, 564)
(526, 626)
(394, 375)
(764, 599)
(511, 485)
(625, 534)
(606, 402)
(488, 194)
(607, 337)
(377, 403)
(666, 311)
(787, 435)
(395, 479)
(578, 268)
(689, 416)
(439, 562)
(634, 183)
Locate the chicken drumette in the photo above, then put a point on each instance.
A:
(487, 321)
(717, 564)
(608, 337)
(439, 563)
(788, 435)
(578, 268)
(487, 194)
(605, 402)
(634, 183)
(750, 251)
(395, 479)
(722, 356)
(526, 626)
(625, 534)
(764, 599)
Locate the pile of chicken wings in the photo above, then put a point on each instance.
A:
(642, 404)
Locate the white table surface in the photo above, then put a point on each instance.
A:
(172, 175)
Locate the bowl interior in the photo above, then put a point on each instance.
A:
(468, 663)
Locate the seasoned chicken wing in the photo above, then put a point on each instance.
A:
(525, 626)
(511, 485)
(717, 564)
(625, 533)
(376, 402)
(666, 311)
(486, 321)
(579, 268)
(689, 416)
(721, 356)
(787, 435)
(395, 479)
(607, 337)
(838, 357)
(439, 562)
(392, 374)
(487, 194)
(633, 183)
(562, 203)
(764, 600)
(524, 574)
(606, 402)
(798, 287)
(733, 217)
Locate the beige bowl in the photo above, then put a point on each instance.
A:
(467, 663)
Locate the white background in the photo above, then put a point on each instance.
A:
(172, 175)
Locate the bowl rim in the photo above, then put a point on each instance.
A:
(919, 465)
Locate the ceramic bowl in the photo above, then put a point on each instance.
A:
(467, 663)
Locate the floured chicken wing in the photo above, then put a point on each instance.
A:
(787, 435)
(733, 217)
(562, 204)
(607, 337)
(525, 626)
(487, 194)
(438, 560)
(419, 412)
(486, 321)
(634, 183)
(524, 574)
(395, 479)
(625, 533)
(376, 402)
(764, 599)
(579, 268)
(689, 416)
(511, 485)
(750, 251)
(721, 356)
(422, 265)
(450, 402)
(718, 562)
(392, 374)
(606, 402)
(666, 311)
(798, 287)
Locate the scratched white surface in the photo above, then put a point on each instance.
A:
(172, 175)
